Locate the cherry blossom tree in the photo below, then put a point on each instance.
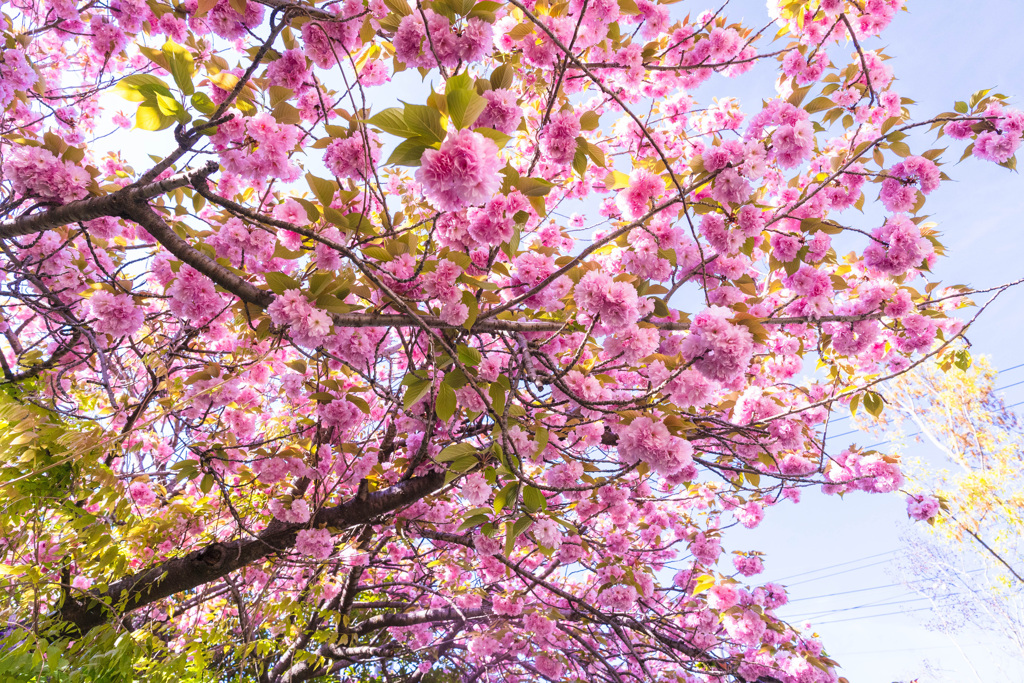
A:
(467, 388)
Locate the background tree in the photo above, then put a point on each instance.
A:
(968, 489)
(333, 387)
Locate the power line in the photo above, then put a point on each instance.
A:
(872, 616)
(1008, 386)
(883, 602)
(832, 595)
(833, 566)
(837, 573)
(874, 588)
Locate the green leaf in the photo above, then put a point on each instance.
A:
(474, 310)
(469, 356)
(500, 139)
(182, 66)
(454, 452)
(206, 485)
(465, 107)
(392, 121)
(590, 120)
(873, 403)
(533, 187)
(378, 253)
(203, 103)
(169, 106)
(501, 78)
(515, 531)
(497, 394)
(446, 402)
(533, 499)
(704, 582)
(140, 87)
(819, 104)
(464, 464)
(417, 390)
(322, 189)
(596, 154)
(279, 283)
(148, 117)
(399, 7)
(408, 153)
(484, 10)
(424, 121)
(474, 521)
(506, 497)
(579, 159)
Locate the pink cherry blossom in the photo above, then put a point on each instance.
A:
(116, 314)
(463, 172)
(315, 543)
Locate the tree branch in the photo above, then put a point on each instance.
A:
(113, 204)
(220, 559)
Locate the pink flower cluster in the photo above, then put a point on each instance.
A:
(442, 285)
(922, 508)
(270, 159)
(899, 190)
(445, 46)
(996, 147)
(618, 598)
(644, 440)
(495, 223)
(348, 158)
(748, 565)
(229, 24)
(36, 172)
(297, 513)
(15, 74)
(475, 489)
(871, 472)
(116, 314)
(906, 247)
(193, 297)
(326, 41)
(307, 326)
(290, 70)
(502, 111)
(597, 294)
(635, 199)
(315, 543)
(793, 139)
(558, 139)
(141, 494)
(234, 241)
(720, 349)
(463, 172)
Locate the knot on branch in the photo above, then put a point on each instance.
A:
(212, 556)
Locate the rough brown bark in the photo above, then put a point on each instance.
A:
(217, 560)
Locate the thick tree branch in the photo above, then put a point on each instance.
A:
(113, 204)
(220, 559)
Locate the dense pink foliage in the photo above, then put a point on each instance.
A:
(468, 387)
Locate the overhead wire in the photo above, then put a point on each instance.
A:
(833, 566)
